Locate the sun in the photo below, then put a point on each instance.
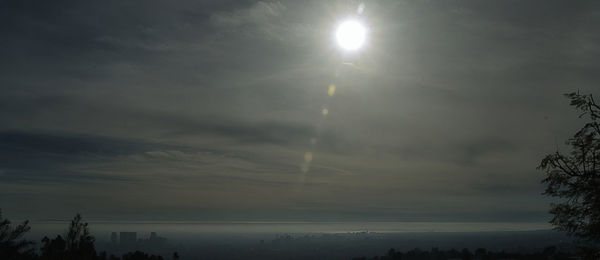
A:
(351, 35)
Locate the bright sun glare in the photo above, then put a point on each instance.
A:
(351, 35)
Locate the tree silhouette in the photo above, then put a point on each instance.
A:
(138, 255)
(575, 178)
(466, 254)
(53, 248)
(12, 246)
(78, 244)
(549, 253)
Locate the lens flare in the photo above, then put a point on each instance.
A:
(308, 156)
(331, 90)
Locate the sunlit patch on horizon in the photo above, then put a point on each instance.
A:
(351, 35)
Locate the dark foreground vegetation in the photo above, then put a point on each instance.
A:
(76, 244)
(549, 253)
(573, 179)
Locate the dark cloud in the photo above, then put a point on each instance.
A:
(47, 157)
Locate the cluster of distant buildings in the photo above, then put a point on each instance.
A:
(127, 241)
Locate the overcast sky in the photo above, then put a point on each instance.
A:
(205, 110)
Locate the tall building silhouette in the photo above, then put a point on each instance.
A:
(113, 238)
(127, 239)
